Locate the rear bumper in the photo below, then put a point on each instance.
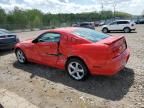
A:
(113, 66)
(133, 29)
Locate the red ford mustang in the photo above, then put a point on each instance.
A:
(78, 50)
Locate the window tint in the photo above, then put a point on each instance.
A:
(89, 34)
(122, 22)
(49, 37)
(84, 24)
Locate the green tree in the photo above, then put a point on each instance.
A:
(2, 18)
(17, 19)
(21, 19)
(33, 16)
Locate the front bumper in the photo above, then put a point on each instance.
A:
(113, 66)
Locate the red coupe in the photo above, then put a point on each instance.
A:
(78, 50)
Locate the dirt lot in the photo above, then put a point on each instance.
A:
(46, 87)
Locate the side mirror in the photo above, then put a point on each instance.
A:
(35, 41)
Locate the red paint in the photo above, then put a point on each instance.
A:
(105, 57)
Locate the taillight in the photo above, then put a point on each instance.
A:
(116, 51)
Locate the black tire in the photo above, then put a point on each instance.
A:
(105, 30)
(24, 61)
(82, 65)
(127, 30)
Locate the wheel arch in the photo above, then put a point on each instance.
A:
(76, 57)
(105, 28)
(17, 49)
(126, 27)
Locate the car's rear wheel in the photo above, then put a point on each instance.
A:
(21, 56)
(105, 30)
(127, 30)
(77, 69)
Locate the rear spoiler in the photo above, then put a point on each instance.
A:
(113, 40)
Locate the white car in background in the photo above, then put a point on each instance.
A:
(119, 25)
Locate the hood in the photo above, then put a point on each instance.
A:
(104, 26)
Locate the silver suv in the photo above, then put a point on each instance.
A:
(119, 25)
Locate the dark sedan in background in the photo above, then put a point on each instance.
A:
(89, 25)
(7, 39)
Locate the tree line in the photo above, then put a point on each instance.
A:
(28, 19)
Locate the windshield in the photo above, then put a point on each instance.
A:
(89, 34)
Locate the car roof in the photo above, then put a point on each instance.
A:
(122, 20)
(64, 29)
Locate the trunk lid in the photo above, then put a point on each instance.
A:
(117, 45)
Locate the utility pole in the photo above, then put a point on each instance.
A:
(114, 8)
(102, 8)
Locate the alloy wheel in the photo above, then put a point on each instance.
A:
(76, 70)
(20, 56)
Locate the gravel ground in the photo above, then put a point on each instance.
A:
(46, 87)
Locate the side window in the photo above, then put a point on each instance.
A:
(123, 22)
(49, 37)
(120, 22)
(113, 23)
(83, 24)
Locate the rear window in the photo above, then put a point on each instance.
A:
(89, 34)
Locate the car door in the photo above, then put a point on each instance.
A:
(113, 26)
(47, 45)
(122, 24)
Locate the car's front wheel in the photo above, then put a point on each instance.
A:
(77, 69)
(21, 56)
(105, 30)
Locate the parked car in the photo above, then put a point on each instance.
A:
(139, 21)
(97, 23)
(7, 39)
(89, 25)
(119, 25)
(102, 23)
(80, 51)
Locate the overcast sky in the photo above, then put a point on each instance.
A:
(134, 7)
